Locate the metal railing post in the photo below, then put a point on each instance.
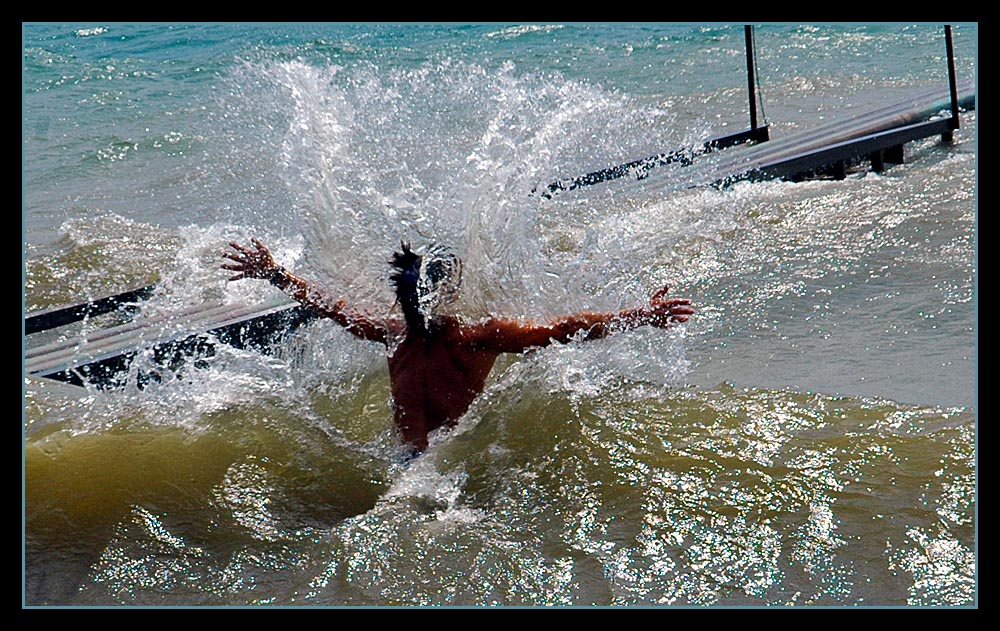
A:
(752, 95)
(952, 84)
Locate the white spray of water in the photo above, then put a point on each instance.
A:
(449, 153)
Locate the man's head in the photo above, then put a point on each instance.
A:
(424, 282)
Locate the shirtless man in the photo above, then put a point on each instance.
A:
(438, 364)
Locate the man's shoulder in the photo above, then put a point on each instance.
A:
(448, 323)
(457, 329)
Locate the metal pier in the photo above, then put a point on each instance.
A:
(102, 356)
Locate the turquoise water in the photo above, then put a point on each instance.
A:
(808, 439)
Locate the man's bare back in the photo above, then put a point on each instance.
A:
(438, 365)
(435, 377)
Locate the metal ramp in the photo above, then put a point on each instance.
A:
(876, 135)
(102, 356)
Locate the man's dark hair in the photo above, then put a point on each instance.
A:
(405, 279)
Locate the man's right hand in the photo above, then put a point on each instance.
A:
(256, 263)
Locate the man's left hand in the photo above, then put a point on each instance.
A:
(251, 263)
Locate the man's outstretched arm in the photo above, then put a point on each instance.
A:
(513, 336)
(259, 263)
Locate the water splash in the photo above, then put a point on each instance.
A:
(357, 155)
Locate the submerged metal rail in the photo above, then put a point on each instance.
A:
(826, 149)
(683, 156)
(641, 168)
(52, 318)
(102, 357)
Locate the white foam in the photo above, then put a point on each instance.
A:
(89, 32)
